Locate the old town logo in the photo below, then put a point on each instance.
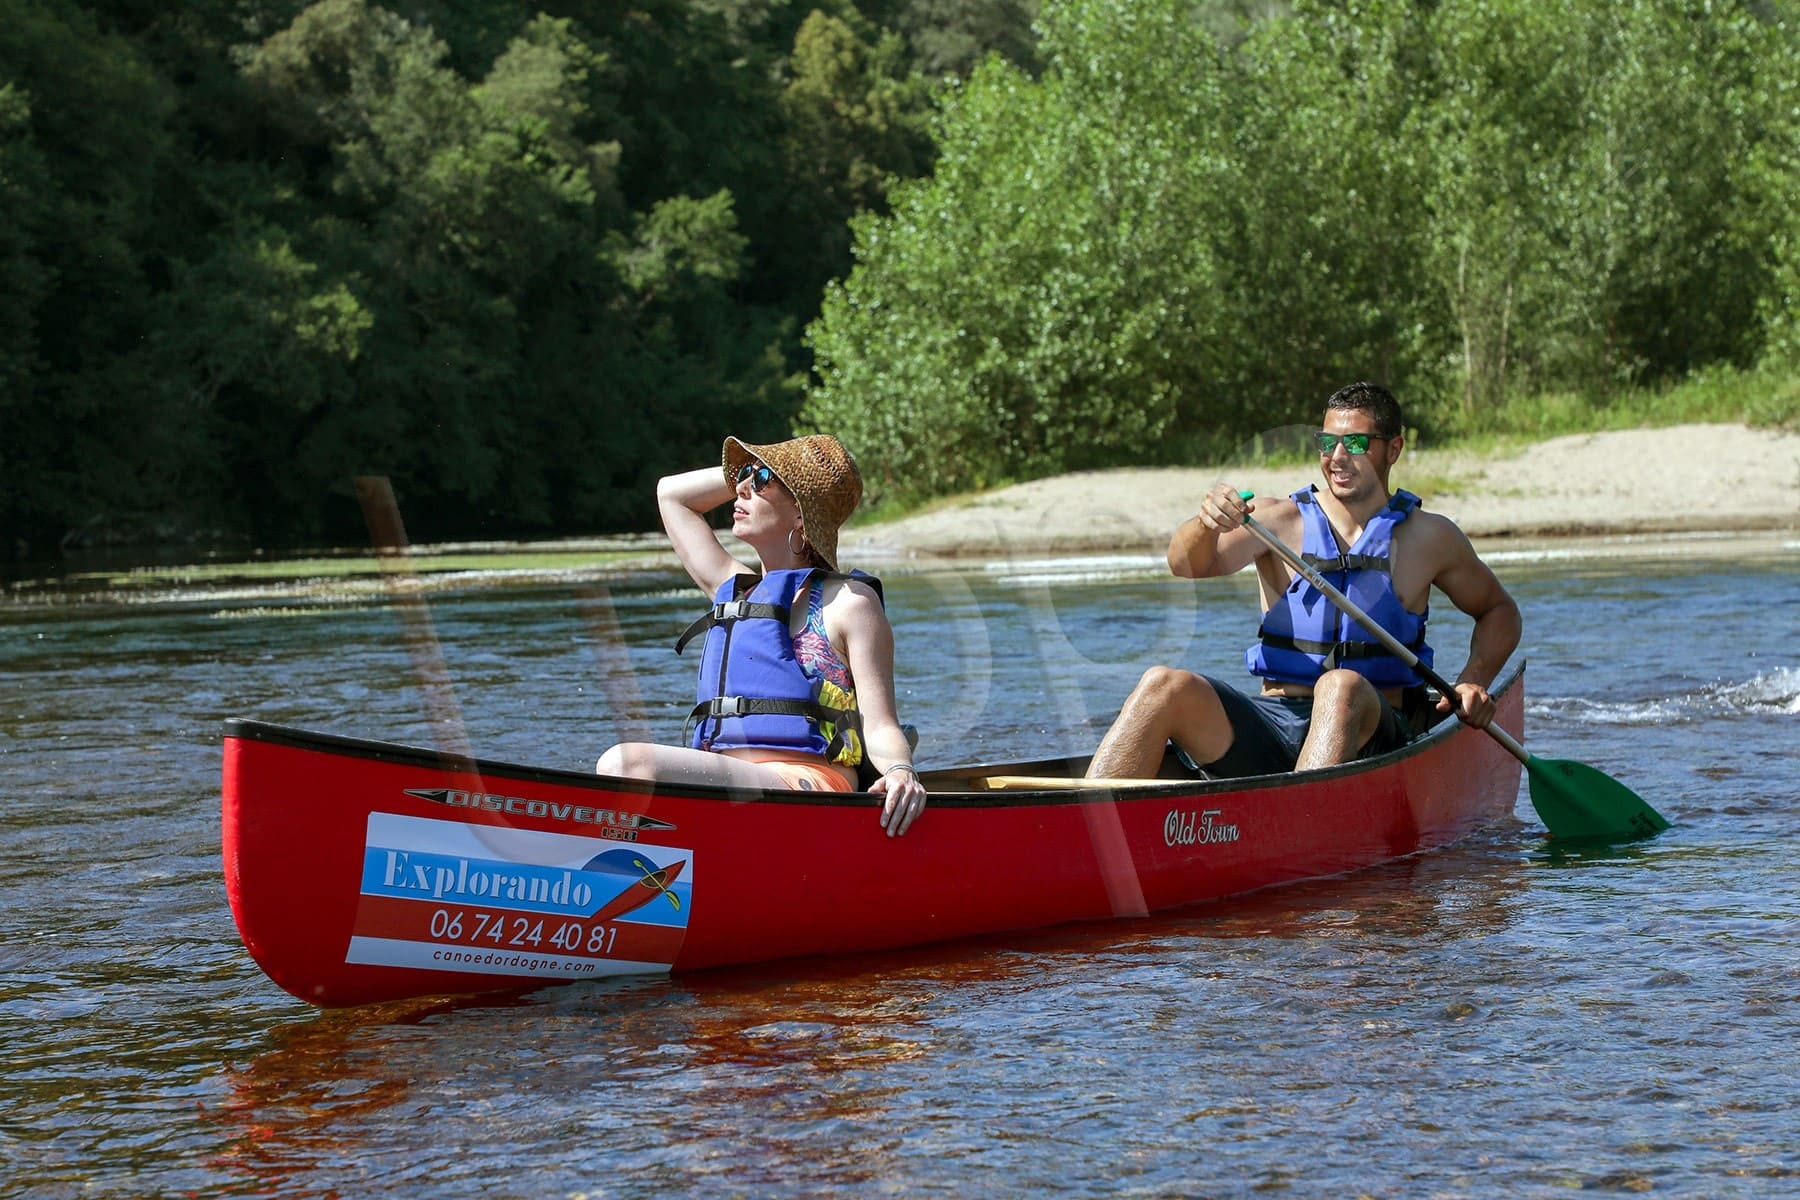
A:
(1197, 828)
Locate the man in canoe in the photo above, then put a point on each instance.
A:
(1330, 692)
(796, 685)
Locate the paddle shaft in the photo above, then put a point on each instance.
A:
(1393, 644)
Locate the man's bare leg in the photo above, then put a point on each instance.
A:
(1168, 704)
(1346, 713)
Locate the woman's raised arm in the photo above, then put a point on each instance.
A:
(684, 500)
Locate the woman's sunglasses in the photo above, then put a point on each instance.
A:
(758, 476)
(1353, 443)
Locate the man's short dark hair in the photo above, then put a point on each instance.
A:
(1375, 400)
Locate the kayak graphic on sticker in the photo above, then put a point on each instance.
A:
(452, 896)
(646, 884)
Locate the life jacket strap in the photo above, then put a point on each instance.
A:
(728, 611)
(754, 706)
(1402, 501)
(1346, 562)
(1338, 650)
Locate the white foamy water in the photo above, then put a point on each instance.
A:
(1777, 691)
(1073, 570)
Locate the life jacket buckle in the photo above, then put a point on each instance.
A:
(728, 706)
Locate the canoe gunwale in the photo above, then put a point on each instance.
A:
(485, 768)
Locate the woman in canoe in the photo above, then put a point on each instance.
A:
(796, 684)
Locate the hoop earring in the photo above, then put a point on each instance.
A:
(794, 550)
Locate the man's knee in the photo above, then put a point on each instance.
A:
(1184, 707)
(1347, 700)
(1346, 691)
(1164, 685)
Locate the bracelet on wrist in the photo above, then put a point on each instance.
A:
(901, 766)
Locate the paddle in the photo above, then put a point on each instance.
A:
(1574, 800)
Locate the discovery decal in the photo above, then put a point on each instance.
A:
(619, 826)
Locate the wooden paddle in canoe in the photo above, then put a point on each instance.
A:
(1575, 801)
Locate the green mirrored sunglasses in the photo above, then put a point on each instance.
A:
(1353, 443)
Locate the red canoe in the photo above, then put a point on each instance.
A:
(361, 871)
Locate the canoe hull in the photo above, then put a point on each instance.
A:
(361, 871)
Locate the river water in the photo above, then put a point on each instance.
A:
(1499, 1019)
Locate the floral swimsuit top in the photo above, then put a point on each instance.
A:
(819, 662)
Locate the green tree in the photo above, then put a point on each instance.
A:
(1039, 303)
(525, 258)
(84, 148)
(453, 208)
(25, 219)
(853, 122)
(1169, 242)
(1581, 214)
(1316, 220)
(1769, 179)
(1499, 114)
(949, 37)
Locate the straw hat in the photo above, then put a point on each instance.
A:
(820, 473)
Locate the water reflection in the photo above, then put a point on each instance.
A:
(800, 1066)
(310, 1100)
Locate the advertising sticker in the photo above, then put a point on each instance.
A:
(454, 896)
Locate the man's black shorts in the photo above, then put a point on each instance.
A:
(1268, 731)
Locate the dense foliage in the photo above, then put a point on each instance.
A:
(520, 258)
(1170, 239)
(524, 258)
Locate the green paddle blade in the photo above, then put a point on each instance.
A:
(1577, 802)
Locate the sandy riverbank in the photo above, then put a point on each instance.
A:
(1624, 487)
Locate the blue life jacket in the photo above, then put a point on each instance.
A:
(1304, 634)
(753, 691)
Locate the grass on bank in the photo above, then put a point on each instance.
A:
(1716, 396)
(1756, 399)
